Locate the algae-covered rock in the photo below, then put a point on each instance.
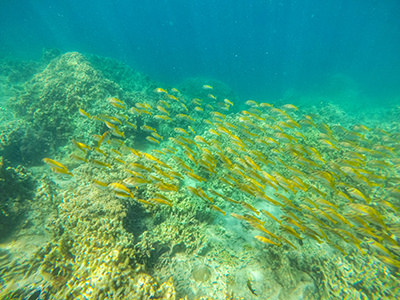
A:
(21, 144)
(48, 106)
(51, 100)
(18, 71)
(16, 186)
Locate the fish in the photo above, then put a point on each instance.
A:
(290, 107)
(191, 129)
(54, 164)
(266, 240)
(173, 97)
(162, 117)
(78, 158)
(81, 146)
(227, 101)
(100, 184)
(264, 104)
(160, 91)
(207, 87)
(180, 130)
(195, 176)
(120, 188)
(250, 287)
(218, 209)
(61, 171)
(162, 109)
(167, 187)
(148, 128)
(185, 116)
(152, 140)
(251, 103)
(104, 137)
(117, 103)
(84, 113)
(161, 200)
(119, 160)
(100, 163)
(118, 133)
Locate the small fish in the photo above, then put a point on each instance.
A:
(120, 160)
(184, 106)
(160, 91)
(54, 164)
(152, 140)
(98, 150)
(195, 176)
(250, 287)
(265, 105)
(290, 107)
(120, 188)
(162, 117)
(167, 187)
(100, 163)
(139, 167)
(118, 133)
(212, 131)
(111, 125)
(173, 97)
(251, 103)
(162, 109)
(117, 103)
(148, 128)
(78, 158)
(104, 137)
(266, 241)
(218, 209)
(156, 135)
(180, 130)
(81, 146)
(135, 181)
(191, 129)
(227, 101)
(144, 201)
(207, 87)
(61, 171)
(84, 113)
(131, 124)
(115, 100)
(217, 114)
(100, 184)
(162, 201)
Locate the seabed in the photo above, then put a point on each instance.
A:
(116, 187)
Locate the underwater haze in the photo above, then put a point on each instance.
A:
(200, 150)
(265, 49)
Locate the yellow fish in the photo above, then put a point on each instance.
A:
(120, 188)
(266, 241)
(84, 113)
(54, 164)
(160, 90)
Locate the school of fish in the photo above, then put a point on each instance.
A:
(290, 176)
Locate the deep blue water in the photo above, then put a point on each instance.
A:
(263, 49)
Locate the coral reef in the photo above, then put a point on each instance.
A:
(171, 193)
(16, 186)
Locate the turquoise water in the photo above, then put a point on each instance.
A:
(265, 49)
(199, 150)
